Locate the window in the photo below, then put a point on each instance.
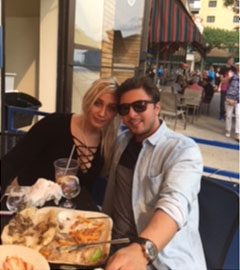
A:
(212, 3)
(236, 19)
(210, 19)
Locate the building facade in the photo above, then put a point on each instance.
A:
(213, 13)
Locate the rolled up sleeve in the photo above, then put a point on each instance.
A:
(181, 185)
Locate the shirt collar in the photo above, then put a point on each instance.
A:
(160, 133)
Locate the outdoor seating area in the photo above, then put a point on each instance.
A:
(120, 128)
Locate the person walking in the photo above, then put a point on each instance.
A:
(212, 75)
(153, 185)
(223, 86)
(232, 103)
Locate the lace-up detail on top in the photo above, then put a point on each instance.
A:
(85, 154)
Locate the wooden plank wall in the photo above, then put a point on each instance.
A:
(108, 36)
(126, 54)
(120, 56)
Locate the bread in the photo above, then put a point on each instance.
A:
(16, 263)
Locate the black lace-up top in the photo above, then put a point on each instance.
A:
(48, 140)
(85, 154)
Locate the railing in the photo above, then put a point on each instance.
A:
(218, 171)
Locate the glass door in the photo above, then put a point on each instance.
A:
(104, 38)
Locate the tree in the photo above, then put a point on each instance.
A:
(233, 3)
(229, 2)
(220, 38)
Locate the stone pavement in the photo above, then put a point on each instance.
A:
(212, 129)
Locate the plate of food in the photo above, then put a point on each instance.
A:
(16, 257)
(54, 232)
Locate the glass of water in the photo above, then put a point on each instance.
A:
(16, 200)
(70, 188)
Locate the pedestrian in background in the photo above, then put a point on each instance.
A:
(232, 103)
(212, 75)
(223, 86)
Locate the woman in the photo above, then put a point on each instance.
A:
(91, 134)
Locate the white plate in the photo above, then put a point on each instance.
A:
(27, 254)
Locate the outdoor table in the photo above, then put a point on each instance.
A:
(83, 201)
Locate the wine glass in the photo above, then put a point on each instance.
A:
(16, 200)
(70, 188)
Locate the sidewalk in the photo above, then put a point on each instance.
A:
(212, 129)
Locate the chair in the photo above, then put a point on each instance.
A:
(219, 223)
(18, 117)
(167, 88)
(192, 100)
(169, 107)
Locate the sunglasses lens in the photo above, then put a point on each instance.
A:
(139, 106)
(123, 109)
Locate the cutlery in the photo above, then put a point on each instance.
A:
(98, 217)
(6, 212)
(83, 245)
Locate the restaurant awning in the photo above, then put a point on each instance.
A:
(170, 23)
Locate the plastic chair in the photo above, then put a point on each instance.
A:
(169, 107)
(219, 223)
(192, 100)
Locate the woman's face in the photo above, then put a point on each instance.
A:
(103, 110)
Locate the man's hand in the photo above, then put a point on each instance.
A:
(128, 258)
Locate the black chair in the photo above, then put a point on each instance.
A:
(18, 117)
(219, 222)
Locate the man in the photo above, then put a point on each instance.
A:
(232, 103)
(211, 74)
(223, 86)
(194, 84)
(152, 188)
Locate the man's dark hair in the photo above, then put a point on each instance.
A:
(233, 69)
(136, 82)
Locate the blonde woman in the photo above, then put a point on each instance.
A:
(90, 135)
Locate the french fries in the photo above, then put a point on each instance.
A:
(16, 263)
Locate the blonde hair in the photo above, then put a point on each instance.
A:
(109, 133)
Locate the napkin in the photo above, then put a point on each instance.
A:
(42, 191)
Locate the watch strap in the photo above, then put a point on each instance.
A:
(142, 241)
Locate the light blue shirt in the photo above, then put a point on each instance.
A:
(167, 176)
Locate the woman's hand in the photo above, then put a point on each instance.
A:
(128, 258)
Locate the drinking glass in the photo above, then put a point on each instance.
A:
(61, 168)
(70, 188)
(16, 200)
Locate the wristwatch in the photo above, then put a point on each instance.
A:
(149, 248)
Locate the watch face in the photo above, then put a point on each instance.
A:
(151, 250)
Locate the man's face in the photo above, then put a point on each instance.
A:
(230, 61)
(141, 124)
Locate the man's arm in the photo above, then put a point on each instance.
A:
(160, 231)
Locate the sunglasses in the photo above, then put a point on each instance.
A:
(138, 106)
